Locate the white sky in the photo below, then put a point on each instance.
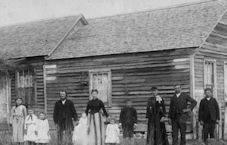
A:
(20, 11)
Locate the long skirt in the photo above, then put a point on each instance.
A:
(96, 129)
(156, 134)
(18, 129)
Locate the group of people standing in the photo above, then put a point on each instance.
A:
(90, 129)
(180, 109)
(27, 127)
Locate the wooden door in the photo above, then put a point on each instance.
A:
(4, 100)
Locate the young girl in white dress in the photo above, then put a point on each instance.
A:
(112, 133)
(30, 127)
(80, 135)
(42, 130)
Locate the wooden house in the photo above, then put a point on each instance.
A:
(122, 56)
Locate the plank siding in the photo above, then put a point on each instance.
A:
(199, 82)
(214, 48)
(37, 64)
(132, 77)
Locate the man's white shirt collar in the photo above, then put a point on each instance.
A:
(63, 102)
(208, 99)
(178, 95)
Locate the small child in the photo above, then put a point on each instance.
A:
(42, 130)
(112, 133)
(128, 119)
(80, 131)
(30, 127)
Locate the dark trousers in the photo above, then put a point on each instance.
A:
(19, 143)
(31, 143)
(179, 125)
(67, 135)
(64, 136)
(128, 130)
(208, 129)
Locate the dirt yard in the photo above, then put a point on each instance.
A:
(190, 142)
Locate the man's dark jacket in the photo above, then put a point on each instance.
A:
(64, 114)
(177, 105)
(209, 107)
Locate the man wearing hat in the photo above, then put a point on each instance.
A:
(156, 112)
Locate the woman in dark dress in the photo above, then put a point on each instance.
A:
(94, 111)
(156, 134)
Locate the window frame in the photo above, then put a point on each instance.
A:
(215, 74)
(108, 71)
(33, 83)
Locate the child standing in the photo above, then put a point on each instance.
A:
(112, 133)
(30, 127)
(128, 119)
(42, 130)
(80, 131)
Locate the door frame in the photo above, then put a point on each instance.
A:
(225, 99)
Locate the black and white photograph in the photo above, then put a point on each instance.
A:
(113, 72)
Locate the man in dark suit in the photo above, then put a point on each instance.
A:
(179, 113)
(208, 114)
(64, 114)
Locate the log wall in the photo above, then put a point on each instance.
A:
(132, 77)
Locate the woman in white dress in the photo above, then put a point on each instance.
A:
(18, 114)
(42, 130)
(112, 133)
(30, 127)
(80, 134)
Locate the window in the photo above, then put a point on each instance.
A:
(210, 74)
(101, 80)
(25, 86)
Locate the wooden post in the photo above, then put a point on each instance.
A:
(225, 98)
(192, 92)
(44, 85)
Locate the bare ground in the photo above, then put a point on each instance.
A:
(189, 142)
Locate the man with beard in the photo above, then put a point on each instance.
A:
(179, 113)
(64, 114)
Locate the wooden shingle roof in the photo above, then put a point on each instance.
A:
(35, 38)
(170, 28)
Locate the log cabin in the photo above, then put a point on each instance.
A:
(122, 56)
